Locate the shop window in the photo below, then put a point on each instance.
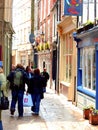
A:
(87, 62)
(44, 64)
(68, 50)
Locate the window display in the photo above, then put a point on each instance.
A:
(87, 62)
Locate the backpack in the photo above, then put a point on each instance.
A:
(18, 78)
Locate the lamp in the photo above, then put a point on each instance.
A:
(42, 36)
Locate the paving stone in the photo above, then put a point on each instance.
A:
(56, 113)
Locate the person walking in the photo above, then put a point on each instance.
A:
(46, 78)
(29, 74)
(18, 78)
(3, 82)
(3, 87)
(36, 90)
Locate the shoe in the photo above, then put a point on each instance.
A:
(33, 108)
(12, 112)
(36, 113)
(20, 116)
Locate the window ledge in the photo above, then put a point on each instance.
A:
(86, 92)
(65, 83)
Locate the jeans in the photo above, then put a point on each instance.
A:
(36, 98)
(17, 95)
(44, 89)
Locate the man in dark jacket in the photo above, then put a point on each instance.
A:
(17, 78)
(36, 90)
(46, 78)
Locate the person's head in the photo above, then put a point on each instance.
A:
(37, 71)
(19, 66)
(28, 69)
(13, 67)
(44, 69)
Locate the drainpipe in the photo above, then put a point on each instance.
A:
(95, 10)
(96, 48)
(1, 127)
(58, 45)
(2, 23)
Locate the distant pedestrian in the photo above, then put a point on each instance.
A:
(18, 78)
(36, 90)
(13, 67)
(46, 78)
(3, 85)
(3, 82)
(29, 74)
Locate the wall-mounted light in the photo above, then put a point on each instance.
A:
(42, 35)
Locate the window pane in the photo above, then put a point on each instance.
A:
(81, 53)
(70, 67)
(89, 68)
(66, 67)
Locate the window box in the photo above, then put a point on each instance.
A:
(86, 26)
(79, 30)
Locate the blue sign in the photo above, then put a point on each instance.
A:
(73, 7)
(31, 38)
(1, 63)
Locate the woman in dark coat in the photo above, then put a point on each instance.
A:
(36, 90)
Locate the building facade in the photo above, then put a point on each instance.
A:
(86, 40)
(6, 32)
(43, 35)
(22, 48)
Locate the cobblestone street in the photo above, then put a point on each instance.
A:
(56, 113)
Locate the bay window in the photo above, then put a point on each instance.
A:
(87, 65)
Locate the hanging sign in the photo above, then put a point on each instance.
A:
(73, 7)
(1, 63)
(31, 38)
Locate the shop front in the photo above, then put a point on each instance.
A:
(67, 58)
(87, 68)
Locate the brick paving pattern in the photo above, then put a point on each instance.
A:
(56, 113)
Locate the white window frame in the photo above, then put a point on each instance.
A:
(88, 72)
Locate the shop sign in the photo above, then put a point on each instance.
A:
(31, 38)
(1, 63)
(73, 7)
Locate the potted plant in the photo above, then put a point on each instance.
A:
(86, 111)
(93, 117)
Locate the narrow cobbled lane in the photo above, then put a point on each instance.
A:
(56, 114)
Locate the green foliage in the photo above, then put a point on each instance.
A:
(88, 107)
(88, 23)
(95, 112)
(47, 46)
(38, 48)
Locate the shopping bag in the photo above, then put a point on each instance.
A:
(27, 100)
(4, 102)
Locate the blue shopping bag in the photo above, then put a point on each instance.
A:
(27, 100)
